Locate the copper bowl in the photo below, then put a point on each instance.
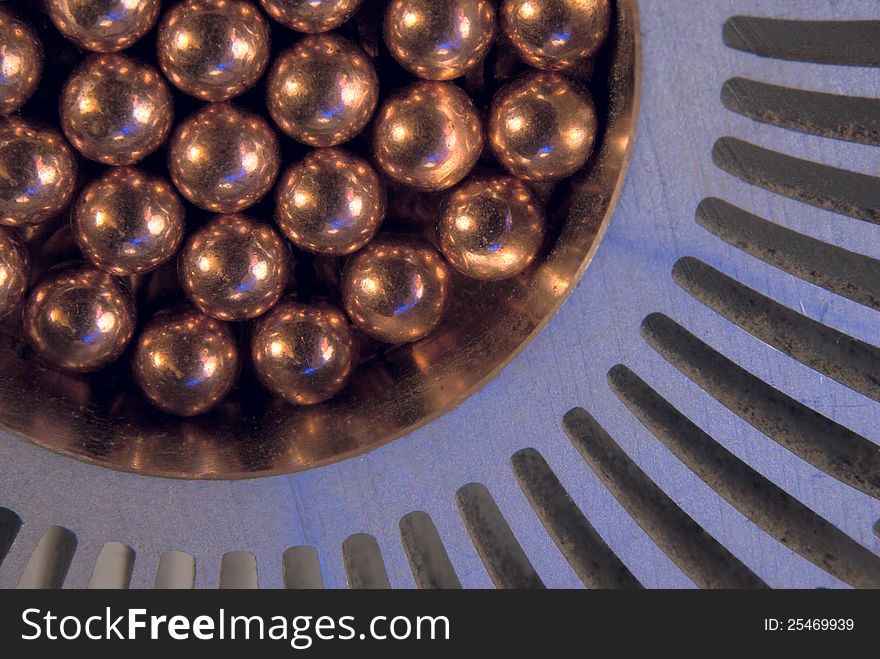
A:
(102, 420)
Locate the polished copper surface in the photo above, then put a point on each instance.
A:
(14, 271)
(104, 26)
(332, 202)
(37, 172)
(21, 62)
(213, 49)
(79, 318)
(555, 34)
(304, 353)
(396, 289)
(309, 15)
(252, 433)
(541, 128)
(116, 110)
(223, 159)
(323, 91)
(127, 222)
(185, 362)
(440, 40)
(491, 228)
(428, 136)
(234, 268)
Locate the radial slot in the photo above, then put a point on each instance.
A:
(238, 571)
(10, 524)
(835, 269)
(825, 444)
(504, 558)
(301, 569)
(48, 565)
(113, 568)
(768, 506)
(700, 556)
(177, 571)
(841, 357)
(364, 566)
(426, 554)
(595, 564)
(850, 43)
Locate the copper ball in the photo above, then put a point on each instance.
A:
(332, 202)
(541, 128)
(213, 49)
(37, 173)
(491, 228)
(185, 362)
(311, 16)
(555, 34)
(104, 26)
(304, 353)
(428, 136)
(79, 318)
(396, 289)
(116, 110)
(14, 271)
(234, 268)
(440, 40)
(323, 91)
(127, 222)
(223, 159)
(21, 62)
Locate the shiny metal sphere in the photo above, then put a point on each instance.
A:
(116, 110)
(304, 353)
(440, 40)
(127, 222)
(223, 159)
(396, 289)
(555, 34)
(79, 318)
(14, 271)
(428, 136)
(234, 268)
(37, 173)
(491, 228)
(21, 62)
(105, 26)
(213, 49)
(541, 128)
(311, 15)
(332, 202)
(185, 362)
(323, 91)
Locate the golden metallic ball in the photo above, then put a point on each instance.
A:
(127, 222)
(428, 136)
(555, 34)
(234, 268)
(311, 15)
(21, 62)
(185, 362)
(116, 110)
(396, 289)
(323, 91)
(541, 128)
(37, 173)
(332, 202)
(224, 159)
(213, 49)
(79, 318)
(440, 40)
(491, 228)
(14, 271)
(104, 26)
(304, 353)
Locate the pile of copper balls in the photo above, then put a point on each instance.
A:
(170, 171)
